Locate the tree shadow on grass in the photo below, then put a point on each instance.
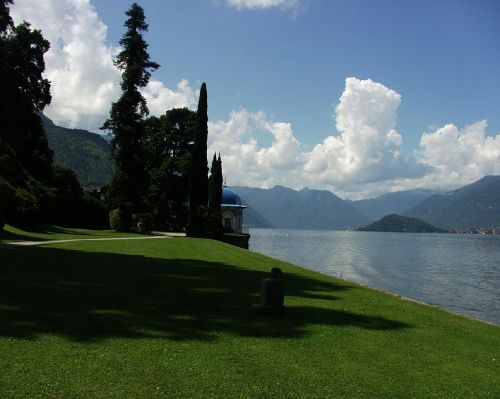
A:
(86, 296)
(45, 229)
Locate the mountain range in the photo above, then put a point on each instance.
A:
(474, 205)
(284, 208)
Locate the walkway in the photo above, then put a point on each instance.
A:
(160, 235)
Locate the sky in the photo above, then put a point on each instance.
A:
(358, 97)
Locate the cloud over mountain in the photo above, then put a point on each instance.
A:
(364, 160)
(367, 149)
(79, 64)
(244, 161)
(460, 155)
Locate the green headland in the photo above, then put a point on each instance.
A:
(173, 318)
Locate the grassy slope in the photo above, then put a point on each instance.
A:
(172, 318)
(48, 233)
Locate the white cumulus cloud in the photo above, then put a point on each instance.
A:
(79, 64)
(160, 98)
(366, 151)
(263, 4)
(364, 160)
(244, 160)
(368, 148)
(459, 156)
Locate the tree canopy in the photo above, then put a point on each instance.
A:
(167, 146)
(33, 189)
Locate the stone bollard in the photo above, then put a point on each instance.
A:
(272, 294)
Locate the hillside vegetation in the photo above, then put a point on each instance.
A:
(475, 205)
(88, 154)
(401, 224)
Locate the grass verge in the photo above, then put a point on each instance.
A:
(172, 318)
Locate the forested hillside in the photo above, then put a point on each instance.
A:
(401, 224)
(475, 205)
(88, 154)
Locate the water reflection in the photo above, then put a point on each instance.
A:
(458, 272)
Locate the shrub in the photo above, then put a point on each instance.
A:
(120, 219)
(2, 211)
(26, 211)
(6, 200)
(93, 214)
(143, 222)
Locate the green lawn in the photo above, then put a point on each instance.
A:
(49, 232)
(172, 318)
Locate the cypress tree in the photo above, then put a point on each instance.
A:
(213, 215)
(126, 122)
(198, 189)
(215, 185)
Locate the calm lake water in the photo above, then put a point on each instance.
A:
(457, 272)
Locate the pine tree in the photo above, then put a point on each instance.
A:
(126, 122)
(198, 189)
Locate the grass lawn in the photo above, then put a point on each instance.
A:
(172, 318)
(49, 232)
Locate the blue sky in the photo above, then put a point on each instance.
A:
(443, 57)
(276, 72)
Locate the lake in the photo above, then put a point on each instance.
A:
(453, 271)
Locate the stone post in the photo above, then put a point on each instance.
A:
(272, 294)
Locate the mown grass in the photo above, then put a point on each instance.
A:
(49, 232)
(172, 318)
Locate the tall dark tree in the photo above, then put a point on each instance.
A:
(126, 122)
(5, 19)
(213, 215)
(24, 93)
(215, 184)
(198, 189)
(25, 158)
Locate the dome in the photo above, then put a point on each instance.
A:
(229, 197)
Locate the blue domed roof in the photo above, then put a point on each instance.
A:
(229, 197)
